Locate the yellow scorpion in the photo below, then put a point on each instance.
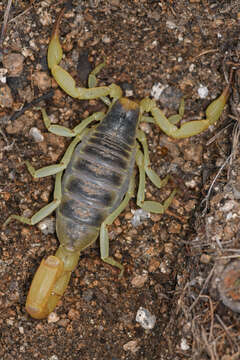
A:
(95, 178)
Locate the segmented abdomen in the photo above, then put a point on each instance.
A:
(93, 186)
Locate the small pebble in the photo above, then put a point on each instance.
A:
(154, 265)
(21, 330)
(139, 216)
(205, 258)
(229, 205)
(6, 99)
(139, 280)
(52, 318)
(45, 18)
(47, 226)
(13, 63)
(164, 268)
(53, 357)
(36, 134)
(202, 92)
(170, 25)
(106, 39)
(42, 80)
(157, 90)
(3, 75)
(145, 318)
(131, 346)
(174, 228)
(184, 345)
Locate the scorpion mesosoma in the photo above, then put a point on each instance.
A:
(99, 175)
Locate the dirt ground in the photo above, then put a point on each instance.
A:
(174, 263)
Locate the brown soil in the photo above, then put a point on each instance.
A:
(173, 262)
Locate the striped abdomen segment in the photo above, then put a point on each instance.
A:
(94, 184)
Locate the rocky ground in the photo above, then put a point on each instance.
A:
(176, 264)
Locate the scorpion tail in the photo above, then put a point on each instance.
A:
(50, 282)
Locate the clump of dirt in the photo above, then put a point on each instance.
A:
(174, 261)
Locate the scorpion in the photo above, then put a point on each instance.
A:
(95, 178)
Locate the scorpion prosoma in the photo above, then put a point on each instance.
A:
(99, 175)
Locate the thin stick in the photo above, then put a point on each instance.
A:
(4, 27)
(203, 288)
(231, 340)
(206, 199)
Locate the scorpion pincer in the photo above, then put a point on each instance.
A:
(95, 178)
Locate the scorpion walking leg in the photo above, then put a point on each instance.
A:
(213, 113)
(45, 171)
(64, 131)
(104, 240)
(54, 169)
(155, 179)
(45, 211)
(149, 206)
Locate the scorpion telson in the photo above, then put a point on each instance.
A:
(98, 179)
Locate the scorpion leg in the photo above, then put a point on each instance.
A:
(213, 113)
(104, 240)
(65, 80)
(54, 169)
(149, 206)
(45, 211)
(155, 179)
(64, 131)
(45, 171)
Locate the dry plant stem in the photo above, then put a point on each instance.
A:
(212, 316)
(236, 135)
(5, 21)
(230, 338)
(218, 134)
(205, 52)
(22, 13)
(206, 199)
(228, 257)
(232, 250)
(211, 348)
(203, 288)
(229, 158)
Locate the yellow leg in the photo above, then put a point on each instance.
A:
(155, 179)
(104, 240)
(150, 206)
(64, 131)
(46, 171)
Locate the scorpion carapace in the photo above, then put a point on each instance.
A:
(99, 178)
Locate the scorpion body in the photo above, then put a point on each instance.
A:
(99, 178)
